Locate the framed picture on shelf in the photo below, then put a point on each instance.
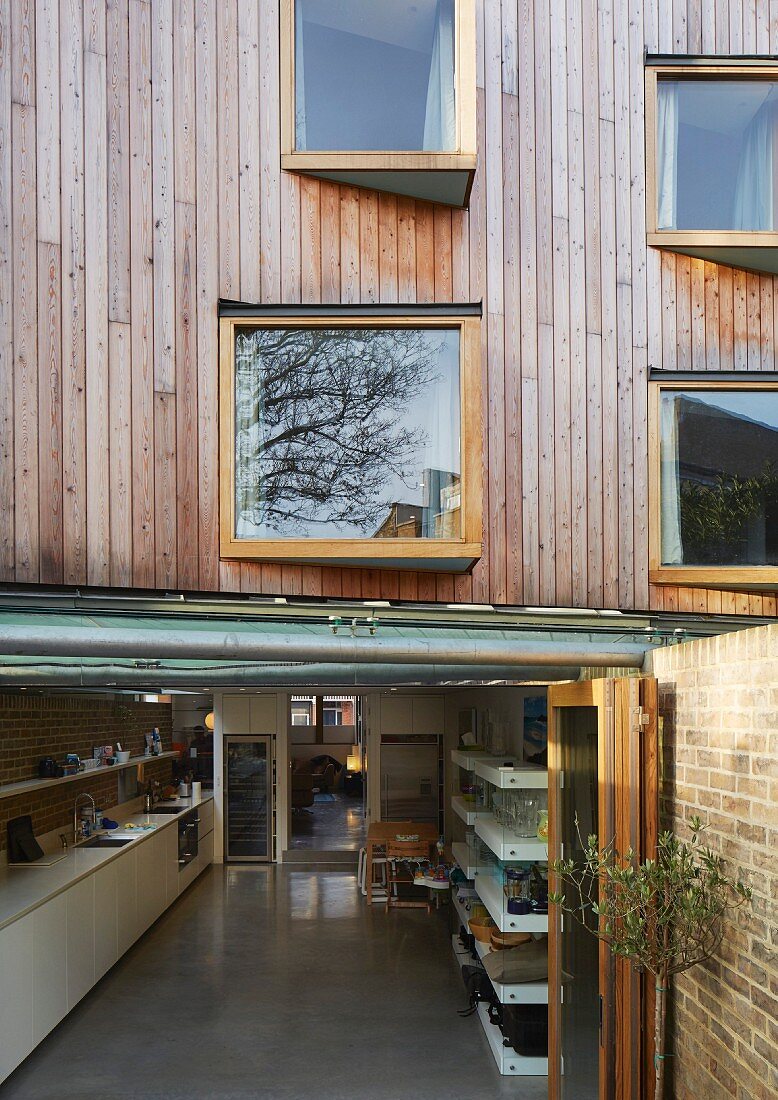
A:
(468, 728)
(536, 730)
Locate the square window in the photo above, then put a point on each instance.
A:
(374, 76)
(352, 441)
(381, 93)
(717, 480)
(712, 162)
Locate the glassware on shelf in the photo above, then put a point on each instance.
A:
(516, 887)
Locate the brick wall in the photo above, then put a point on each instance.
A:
(719, 701)
(34, 726)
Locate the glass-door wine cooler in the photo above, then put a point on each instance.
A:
(248, 798)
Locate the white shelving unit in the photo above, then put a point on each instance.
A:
(461, 912)
(509, 1063)
(468, 811)
(468, 760)
(461, 854)
(524, 777)
(522, 993)
(491, 894)
(507, 846)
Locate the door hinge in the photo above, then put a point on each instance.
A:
(561, 780)
(642, 718)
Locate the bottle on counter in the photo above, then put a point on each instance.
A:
(156, 747)
(148, 799)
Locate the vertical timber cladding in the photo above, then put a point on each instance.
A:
(108, 295)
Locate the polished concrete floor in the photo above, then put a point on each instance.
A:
(274, 984)
(330, 825)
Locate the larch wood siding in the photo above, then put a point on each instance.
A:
(140, 180)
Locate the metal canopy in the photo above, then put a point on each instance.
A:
(157, 642)
(134, 649)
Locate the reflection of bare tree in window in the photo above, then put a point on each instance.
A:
(320, 422)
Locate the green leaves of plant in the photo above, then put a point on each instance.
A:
(665, 913)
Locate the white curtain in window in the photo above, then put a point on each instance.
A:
(441, 456)
(248, 426)
(440, 124)
(754, 190)
(666, 154)
(670, 485)
(301, 137)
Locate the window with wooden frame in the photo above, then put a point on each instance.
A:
(381, 94)
(714, 483)
(712, 159)
(352, 435)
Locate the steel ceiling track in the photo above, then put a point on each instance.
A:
(156, 677)
(37, 640)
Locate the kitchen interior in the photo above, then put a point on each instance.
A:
(114, 804)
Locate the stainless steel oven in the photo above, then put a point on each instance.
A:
(188, 838)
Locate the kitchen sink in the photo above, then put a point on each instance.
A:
(168, 809)
(107, 842)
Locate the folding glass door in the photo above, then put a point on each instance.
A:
(603, 781)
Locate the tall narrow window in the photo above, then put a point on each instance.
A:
(713, 159)
(381, 92)
(351, 440)
(718, 480)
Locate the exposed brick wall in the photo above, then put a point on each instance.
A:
(34, 726)
(719, 701)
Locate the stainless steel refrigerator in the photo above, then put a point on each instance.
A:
(248, 798)
(411, 779)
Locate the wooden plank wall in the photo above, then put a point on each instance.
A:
(140, 180)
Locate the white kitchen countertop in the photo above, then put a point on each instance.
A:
(23, 889)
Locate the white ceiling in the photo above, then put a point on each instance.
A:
(724, 107)
(407, 23)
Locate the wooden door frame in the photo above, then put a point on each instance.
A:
(628, 771)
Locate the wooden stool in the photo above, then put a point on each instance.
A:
(397, 850)
(379, 885)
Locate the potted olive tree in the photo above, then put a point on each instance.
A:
(664, 915)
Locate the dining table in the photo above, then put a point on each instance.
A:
(379, 832)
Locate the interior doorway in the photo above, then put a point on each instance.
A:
(328, 775)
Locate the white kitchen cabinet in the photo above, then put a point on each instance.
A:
(16, 981)
(206, 817)
(188, 874)
(396, 714)
(49, 958)
(263, 714)
(236, 717)
(52, 957)
(80, 954)
(152, 880)
(106, 917)
(205, 855)
(253, 714)
(428, 714)
(127, 925)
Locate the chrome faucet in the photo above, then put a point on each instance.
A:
(79, 797)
